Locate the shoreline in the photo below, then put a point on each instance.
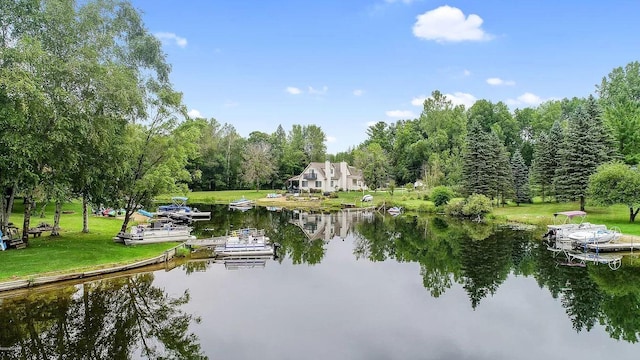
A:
(37, 281)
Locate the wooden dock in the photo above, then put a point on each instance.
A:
(614, 246)
(210, 242)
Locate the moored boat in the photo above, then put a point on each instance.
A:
(394, 211)
(245, 242)
(156, 232)
(179, 207)
(599, 236)
(568, 222)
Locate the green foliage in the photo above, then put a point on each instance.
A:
(520, 179)
(616, 183)
(581, 152)
(374, 165)
(620, 99)
(476, 206)
(441, 195)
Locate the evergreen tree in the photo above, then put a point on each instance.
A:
(478, 173)
(580, 155)
(601, 131)
(503, 177)
(541, 172)
(552, 161)
(520, 178)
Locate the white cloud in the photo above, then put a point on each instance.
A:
(457, 98)
(419, 101)
(497, 82)
(171, 37)
(400, 114)
(460, 98)
(447, 23)
(331, 139)
(193, 113)
(358, 92)
(371, 123)
(399, 1)
(528, 99)
(293, 90)
(318, 91)
(466, 72)
(230, 103)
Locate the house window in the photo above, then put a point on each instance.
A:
(355, 182)
(304, 184)
(331, 183)
(318, 184)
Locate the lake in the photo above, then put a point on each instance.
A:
(347, 285)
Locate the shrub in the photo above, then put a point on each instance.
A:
(454, 208)
(441, 195)
(427, 208)
(477, 206)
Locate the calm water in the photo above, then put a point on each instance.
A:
(345, 286)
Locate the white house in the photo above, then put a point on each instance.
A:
(329, 176)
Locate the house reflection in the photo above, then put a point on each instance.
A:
(327, 226)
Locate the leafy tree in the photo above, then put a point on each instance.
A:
(616, 183)
(258, 166)
(374, 164)
(620, 99)
(441, 195)
(520, 179)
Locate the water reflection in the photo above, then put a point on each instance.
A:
(469, 273)
(120, 318)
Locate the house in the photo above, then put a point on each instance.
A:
(328, 176)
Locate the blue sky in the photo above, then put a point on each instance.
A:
(346, 64)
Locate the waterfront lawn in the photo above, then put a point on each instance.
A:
(542, 213)
(72, 251)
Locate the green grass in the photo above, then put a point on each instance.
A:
(73, 250)
(542, 213)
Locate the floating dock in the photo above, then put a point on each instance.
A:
(614, 246)
(209, 242)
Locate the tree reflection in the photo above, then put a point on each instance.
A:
(119, 318)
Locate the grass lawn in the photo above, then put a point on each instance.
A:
(73, 250)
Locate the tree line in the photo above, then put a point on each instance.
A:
(87, 110)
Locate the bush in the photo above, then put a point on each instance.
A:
(427, 208)
(474, 207)
(454, 208)
(477, 206)
(441, 195)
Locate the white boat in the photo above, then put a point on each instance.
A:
(155, 232)
(241, 202)
(599, 236)
(367, 198)
(245, 242)
(567, 222)
(179, 207)
(394, 211)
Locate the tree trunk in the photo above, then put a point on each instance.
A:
(56, 219)
(581, 202)
(632, 214)
(27, 219)
(43, 208)
(8, 196)
(85, 214)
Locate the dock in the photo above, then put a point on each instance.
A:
(614, 246)
(209, 242)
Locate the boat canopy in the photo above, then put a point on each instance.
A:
(571, 214)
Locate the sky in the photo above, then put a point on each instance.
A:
(345, 65)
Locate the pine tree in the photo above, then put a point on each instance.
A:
(552, 153)
(479, 169)
(601, 132)
(539, 166)
(580, 154)
(503, 182)
(520, 178)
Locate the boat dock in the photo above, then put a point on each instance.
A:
(209, 242)
(614, 246)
